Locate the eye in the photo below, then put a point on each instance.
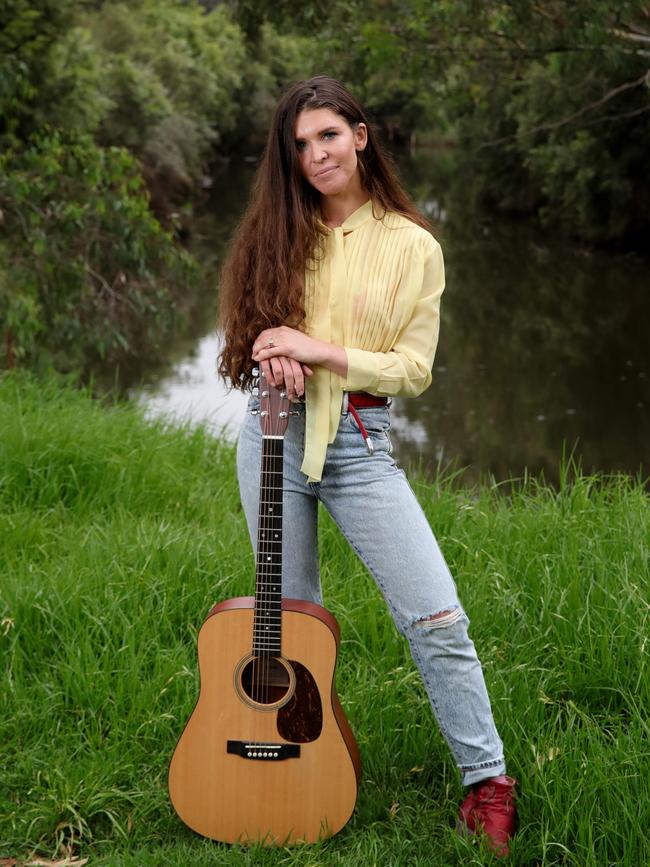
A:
(300, 145)
(328, 135)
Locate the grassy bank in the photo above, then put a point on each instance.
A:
(116, 536)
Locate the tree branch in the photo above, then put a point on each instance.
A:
(644, 79)
(634, 37)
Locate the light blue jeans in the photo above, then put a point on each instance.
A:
(372, 503)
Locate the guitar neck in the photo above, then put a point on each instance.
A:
(267, 621)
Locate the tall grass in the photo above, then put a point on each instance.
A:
(116, 536)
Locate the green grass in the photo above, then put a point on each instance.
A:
(116, 536)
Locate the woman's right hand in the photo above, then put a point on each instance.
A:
(286, 373)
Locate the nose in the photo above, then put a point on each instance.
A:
(318, 153)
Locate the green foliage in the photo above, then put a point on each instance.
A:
(117, 536)
(87, 272)
(274, 61)
(171, 74)
(547, 101)
(30, 89)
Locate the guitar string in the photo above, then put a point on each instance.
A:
(274, 518)
(260, 536)
(260, 604)
(257, 660)
(271, 630)
(264, 550)
(264, 574)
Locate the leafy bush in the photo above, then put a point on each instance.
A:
(87, 273)
(171, 73)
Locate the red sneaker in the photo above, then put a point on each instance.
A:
(490, 807)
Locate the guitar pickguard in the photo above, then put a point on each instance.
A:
(301, 719)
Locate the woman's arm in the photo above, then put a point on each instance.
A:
(405, 370)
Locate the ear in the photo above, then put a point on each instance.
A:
(360, 136)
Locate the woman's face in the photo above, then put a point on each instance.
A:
(327, 149)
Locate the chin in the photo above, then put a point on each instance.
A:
(330, 189)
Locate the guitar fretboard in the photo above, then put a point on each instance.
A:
(267, 621)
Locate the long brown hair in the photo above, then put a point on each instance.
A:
(262, 279)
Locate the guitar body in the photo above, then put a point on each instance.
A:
(276, 766)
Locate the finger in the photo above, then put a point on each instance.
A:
(289, 378)
(277, 372)
(298, 378)
(307, 370)
(261, 342)
(269, 352)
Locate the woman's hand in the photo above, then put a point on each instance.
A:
(273, 343)
(286, 373)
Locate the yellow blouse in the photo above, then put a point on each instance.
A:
(376, 292)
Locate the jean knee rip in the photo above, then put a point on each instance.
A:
(440, 620)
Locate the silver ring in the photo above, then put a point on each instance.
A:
(271, 343)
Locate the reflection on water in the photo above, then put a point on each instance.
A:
(193, 392)
(543, 348)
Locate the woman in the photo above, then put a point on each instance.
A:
(333, 287)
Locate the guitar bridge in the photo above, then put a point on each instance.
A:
(263, 752)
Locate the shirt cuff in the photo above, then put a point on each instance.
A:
(363, 370)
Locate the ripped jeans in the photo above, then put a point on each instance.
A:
(372, 503)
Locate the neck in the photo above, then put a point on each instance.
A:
(267, 622)
(336, 209)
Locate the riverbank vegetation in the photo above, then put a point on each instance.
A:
(544, 105)
(117, 535)
(547, 103)
(110, 114)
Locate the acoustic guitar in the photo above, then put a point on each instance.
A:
(267, 755)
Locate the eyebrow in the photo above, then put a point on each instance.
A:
(331, 128)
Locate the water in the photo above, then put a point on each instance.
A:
(543, 348)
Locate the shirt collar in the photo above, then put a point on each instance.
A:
(357, 218)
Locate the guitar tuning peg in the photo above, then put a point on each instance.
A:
(256, 371)
(293, 412)
(255, 412)
(256, 392)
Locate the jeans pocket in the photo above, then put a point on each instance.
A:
(375, 419)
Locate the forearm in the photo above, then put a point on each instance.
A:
(335, 359)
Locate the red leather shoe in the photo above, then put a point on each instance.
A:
(490, 807)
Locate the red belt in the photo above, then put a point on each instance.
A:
(359, 400)
(362, 398)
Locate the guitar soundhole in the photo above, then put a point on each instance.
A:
(267, 680)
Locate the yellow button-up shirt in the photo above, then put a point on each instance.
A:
(375, 292)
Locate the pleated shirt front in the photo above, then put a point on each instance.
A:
(375, 290)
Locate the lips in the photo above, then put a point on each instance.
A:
(323, 173)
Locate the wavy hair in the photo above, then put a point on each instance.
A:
(262, 278)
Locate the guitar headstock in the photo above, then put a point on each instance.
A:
(274, 408)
